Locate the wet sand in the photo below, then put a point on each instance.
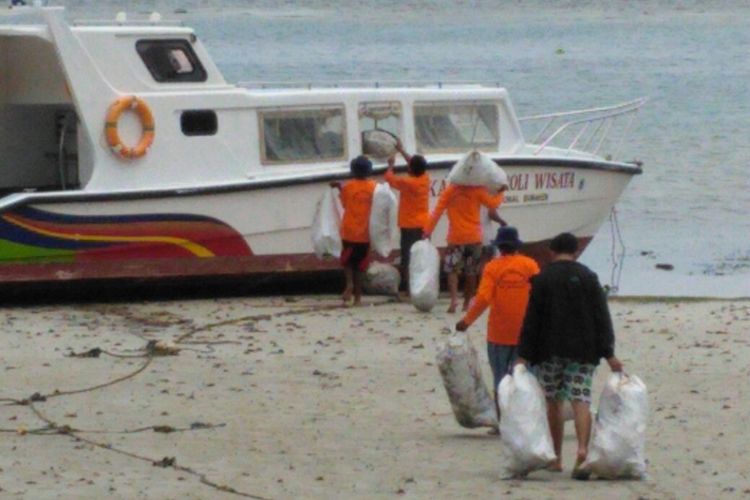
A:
(296, 398)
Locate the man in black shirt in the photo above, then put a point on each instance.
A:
(566, 331)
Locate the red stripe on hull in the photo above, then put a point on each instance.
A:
(229, 267)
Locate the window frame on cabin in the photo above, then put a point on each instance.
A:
(147, 50)
(493, 129)
(301, 112)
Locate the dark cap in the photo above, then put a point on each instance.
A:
(507, 238)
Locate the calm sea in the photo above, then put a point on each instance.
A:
(690, 209)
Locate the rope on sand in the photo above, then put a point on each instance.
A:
(151, 350)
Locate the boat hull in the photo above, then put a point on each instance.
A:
(262, 229)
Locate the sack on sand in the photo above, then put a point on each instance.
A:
(325, 236)
(478, 169)
(378, 143)
(424, 275)
(459, 366)
(381, 279)
(383, 220)
(524, 429)
(618, 444)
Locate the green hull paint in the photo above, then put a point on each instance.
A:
(15, 253)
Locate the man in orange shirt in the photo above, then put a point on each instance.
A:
(464, 252)
(356, 198)
(505, 288)
(413, 205)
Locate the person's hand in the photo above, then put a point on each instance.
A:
(614, 364)
(425, 235)
(520, 361)
(502, 222)
(391, 161)
(335, 184)
(461, 326)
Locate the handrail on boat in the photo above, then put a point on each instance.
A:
(602, 118)
(362, 84)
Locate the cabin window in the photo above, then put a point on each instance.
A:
(171, 61)
(303, 135)
(199, 122)
(378, 116)
(443, 127)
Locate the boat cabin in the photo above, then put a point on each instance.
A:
(59, 81)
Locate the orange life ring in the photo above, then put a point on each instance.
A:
(147, 123)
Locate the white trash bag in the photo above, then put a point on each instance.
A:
(381, 279)
(383, 220)
(524, 428)
(478, 169)
(325, 236)
(617, 448)
(488, 226)
(424, 275)
(459, 366)
(378, 143)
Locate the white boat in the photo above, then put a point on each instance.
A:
(124, 154)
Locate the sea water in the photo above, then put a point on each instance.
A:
(691, 206)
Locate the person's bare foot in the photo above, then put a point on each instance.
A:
(346, 297)
(494, 431)
(452, 308)
(555, 466)
(578, 472)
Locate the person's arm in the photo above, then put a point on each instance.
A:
(492, 203)
(528, 341)
(480, 303)
(492, 213)
(400, 149)
(605, 336)
(390, 176)
(442, 204)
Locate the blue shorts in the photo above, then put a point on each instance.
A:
(501, 359)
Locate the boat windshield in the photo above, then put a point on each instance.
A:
(442, 127)
(303, 135)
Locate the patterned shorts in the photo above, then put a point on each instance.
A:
(563, 379)
(463, 259)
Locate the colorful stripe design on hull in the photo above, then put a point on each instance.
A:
(32, 235)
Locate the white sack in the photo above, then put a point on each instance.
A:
(424, 275)
(325, 236)
(524, 428)
(618, 446)
(488, 226)
(381, 279)
(478, 169)
(383, 220)
(378, 143)
(459, 366)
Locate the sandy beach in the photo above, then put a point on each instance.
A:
(294, 397)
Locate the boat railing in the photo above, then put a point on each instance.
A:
(586, 130)
(266, 85)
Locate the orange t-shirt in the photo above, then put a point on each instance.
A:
(463, 203)
(356, 198)
(414, 198)
(505, 288)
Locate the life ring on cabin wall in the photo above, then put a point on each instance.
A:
(116, 109)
